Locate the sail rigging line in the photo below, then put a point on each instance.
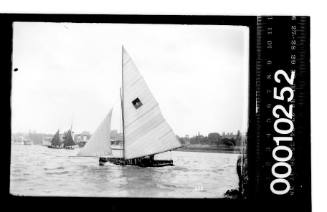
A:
(170, 154)
(154, 153)
(120, 116)
(71, 125)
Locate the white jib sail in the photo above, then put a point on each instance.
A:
(146, 130)
(99, 143)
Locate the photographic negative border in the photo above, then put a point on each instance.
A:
(264, 46)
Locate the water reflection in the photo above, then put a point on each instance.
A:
(140, 182)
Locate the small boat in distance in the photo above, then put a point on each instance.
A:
(145, 130)
(68, 140)
(56, 142)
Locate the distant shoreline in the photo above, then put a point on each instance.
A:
(208, 149)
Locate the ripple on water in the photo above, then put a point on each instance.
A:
(59, 174)
(56, 168)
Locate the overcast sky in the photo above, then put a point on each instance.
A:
(66, 71)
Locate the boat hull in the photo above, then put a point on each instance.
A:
(70, 147)
(55, 147)
(61, 147)
(141, 162)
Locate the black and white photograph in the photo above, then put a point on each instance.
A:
(129, 110)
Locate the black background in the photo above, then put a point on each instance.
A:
(259, 150)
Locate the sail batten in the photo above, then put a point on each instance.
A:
(99, 143)
(146, 132)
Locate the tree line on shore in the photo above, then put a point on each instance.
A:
(213, 139)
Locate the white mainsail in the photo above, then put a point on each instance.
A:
(99, 144)
(146, 131)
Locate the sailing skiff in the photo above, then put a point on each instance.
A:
(145, 130)
(66, 143)
(56, 142)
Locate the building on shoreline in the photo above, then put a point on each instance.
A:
(82, 138)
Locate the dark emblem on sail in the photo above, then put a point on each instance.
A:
(137, 103)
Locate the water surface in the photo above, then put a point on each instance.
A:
(41, 171)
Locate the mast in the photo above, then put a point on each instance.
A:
(71, 125)
(122, 98)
